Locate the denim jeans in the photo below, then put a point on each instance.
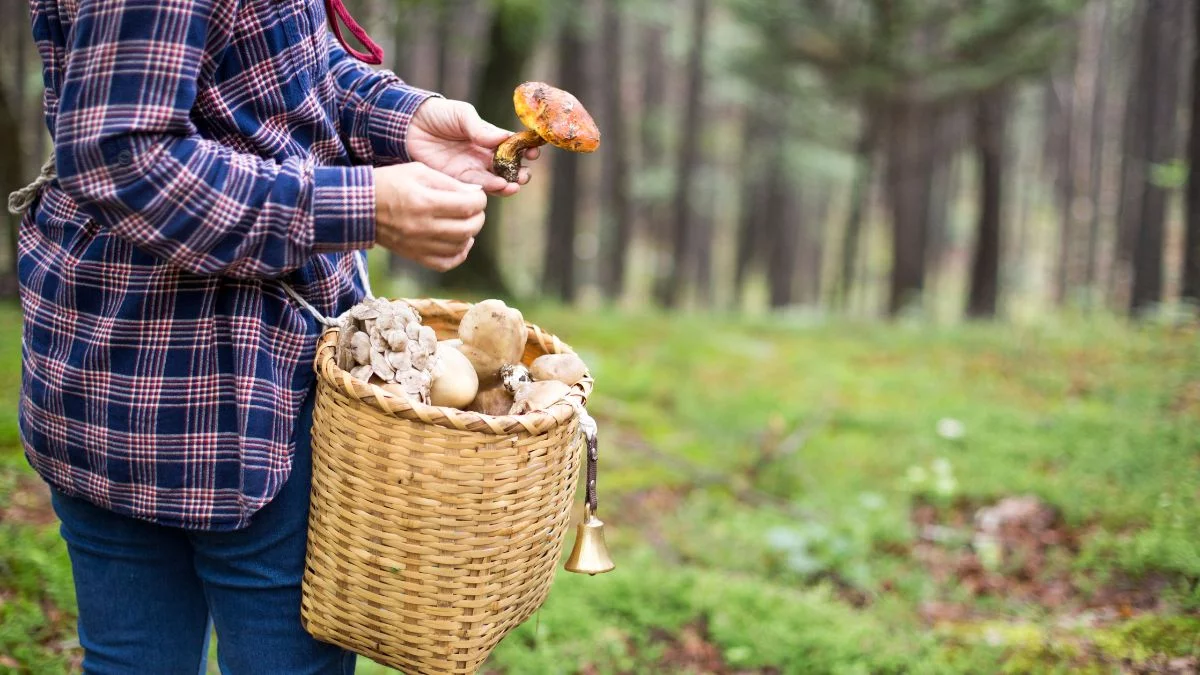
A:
(148, 593)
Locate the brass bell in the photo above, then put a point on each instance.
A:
(590, 553)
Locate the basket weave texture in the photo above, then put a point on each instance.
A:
(433, 532)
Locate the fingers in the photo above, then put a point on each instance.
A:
(533, 153)
(447, 263)
(449, 198)
(490, 182)
(495, 185)
(445, 204)
(510, 189)
(455, 231)
(432, 248)
(427, 216)
(440, 181)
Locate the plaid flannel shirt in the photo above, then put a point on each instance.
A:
(207, 150)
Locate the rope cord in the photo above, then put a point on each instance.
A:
(21, 199)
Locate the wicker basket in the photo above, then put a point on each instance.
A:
(433, 531)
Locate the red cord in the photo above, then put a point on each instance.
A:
(334, 10)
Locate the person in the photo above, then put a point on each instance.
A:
(208, 156)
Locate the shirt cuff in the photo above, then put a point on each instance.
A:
(387, 124)
(343, 208)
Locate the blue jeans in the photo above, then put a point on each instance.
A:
(147, 593)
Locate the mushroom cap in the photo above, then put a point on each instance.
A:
(556, 116)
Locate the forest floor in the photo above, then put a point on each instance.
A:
(783, 497)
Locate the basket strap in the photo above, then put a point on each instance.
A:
(20, 200)
(360, 265)
(588, 426)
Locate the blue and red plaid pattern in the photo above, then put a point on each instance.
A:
(207, 151)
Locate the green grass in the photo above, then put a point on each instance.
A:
(759, 476)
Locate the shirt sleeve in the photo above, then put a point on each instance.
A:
(129, 156)
(376, 108)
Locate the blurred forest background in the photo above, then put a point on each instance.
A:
(792, 482)
(870, 157)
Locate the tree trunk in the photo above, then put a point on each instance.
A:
(1080, 172)
(1099, 76)
(1191, 254)
(942, 190)
(12, 177)
(1061, 100)
(910, 170)
(558, 267)
(810, 247)
(991, 119)
(860, 192)
(672, 287)
(1025, 179)
(615, 183)
(1133, 170)
(782, 212)
(701, 254)
(654, 85)
(751, 216)
(1162, 39)
(512, 37)
(15, 115)
(444, 15)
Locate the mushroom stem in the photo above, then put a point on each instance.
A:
(506, 163)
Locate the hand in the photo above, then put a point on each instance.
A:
(425, 215)
(451, 137)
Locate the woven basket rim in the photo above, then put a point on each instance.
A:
(534, 423)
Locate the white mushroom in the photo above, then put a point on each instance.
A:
(567, 368)
(532, 396)
(456, 384)
(360, 343)
(493, 335)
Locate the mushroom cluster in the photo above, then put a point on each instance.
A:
(482, 371)
(384, 343)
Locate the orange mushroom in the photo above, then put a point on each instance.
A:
(550, 115)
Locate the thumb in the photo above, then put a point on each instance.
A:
(484, 133)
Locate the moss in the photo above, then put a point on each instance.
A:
(1151, 636)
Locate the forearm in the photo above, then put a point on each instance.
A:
(209, 210)
(376, 108)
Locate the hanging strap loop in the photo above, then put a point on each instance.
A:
(334, 10)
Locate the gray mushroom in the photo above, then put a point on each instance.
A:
(384, 343)
(396, 339)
